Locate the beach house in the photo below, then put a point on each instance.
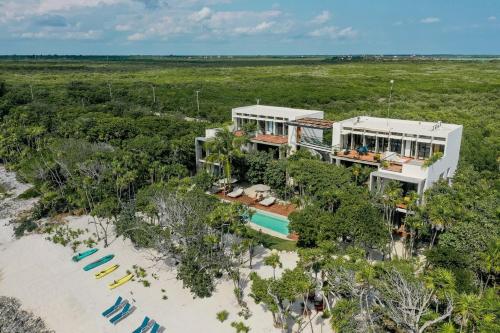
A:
(414, 153)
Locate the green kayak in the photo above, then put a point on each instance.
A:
(99, 262)
(85, 254)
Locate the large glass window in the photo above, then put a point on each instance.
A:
(269, 127)
(437, 148)
(395, 146)
(358, 140)
(370, 142)
(424, 150)
(382, 144)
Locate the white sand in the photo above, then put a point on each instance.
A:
(43, 277)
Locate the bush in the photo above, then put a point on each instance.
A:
(24, 224)
(29, 193)
(222, 316)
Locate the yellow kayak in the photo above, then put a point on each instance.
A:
(106, 271)
(119, 282)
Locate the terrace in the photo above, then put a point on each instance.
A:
(270, 139)
(280, 209)
(389, 161)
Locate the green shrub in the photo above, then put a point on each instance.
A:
(32, 192)
(222, 316)
(25, 224)
(240, 327)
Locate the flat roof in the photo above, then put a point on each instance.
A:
(276, 111)
(400, 126)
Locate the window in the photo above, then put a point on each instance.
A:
(269, 127)
(370, 142)
(395, 146)
(423, 150)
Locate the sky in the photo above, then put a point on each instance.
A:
(251, 27)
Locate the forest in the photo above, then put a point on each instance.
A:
(115, 137)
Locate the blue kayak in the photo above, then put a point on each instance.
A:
(83, 255)
(99, 262)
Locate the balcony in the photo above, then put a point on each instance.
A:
(270, 139)
(315, 143)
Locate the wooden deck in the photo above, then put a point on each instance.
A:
(277, 208)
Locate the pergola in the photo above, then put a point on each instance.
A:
(312, 123)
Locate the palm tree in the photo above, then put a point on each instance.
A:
(223, 148)
(468, 310)
(413, 221)
(390, 196)
(490, 263)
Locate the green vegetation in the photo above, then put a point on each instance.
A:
(94, 138)
(222, 316)
(28, 194)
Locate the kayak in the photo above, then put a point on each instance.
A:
(85, 254)
(106, 271)
(121, 281)
(99, 262)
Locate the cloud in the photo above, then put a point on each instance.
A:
(123, 27)
(429, 20)
(260, 28)
(14, 10)
(64, 35)
(136, 37)
(51, 21)
(334, 33)
(153, 4)
(201, 15)
(322, 18)
(492, 18)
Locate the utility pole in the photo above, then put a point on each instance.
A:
(154, 95)
(389, 104)
(110, 94)
(198, 101)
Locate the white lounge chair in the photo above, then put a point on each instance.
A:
(268, 201)
(238, 192)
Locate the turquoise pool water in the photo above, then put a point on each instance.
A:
(278, 224)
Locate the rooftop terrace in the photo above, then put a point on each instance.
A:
(400, 126)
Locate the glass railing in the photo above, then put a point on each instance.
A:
(314, 142)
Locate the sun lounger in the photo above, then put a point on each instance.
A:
(235, 193)
(143, 327)
(114, 307)
(156, 328)
(127, 309)
(267, 201)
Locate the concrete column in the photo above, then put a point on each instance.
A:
(416, 148)
(376, 143)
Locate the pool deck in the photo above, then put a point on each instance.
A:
(279, 209)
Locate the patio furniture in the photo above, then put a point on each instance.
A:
(268, 201)
(236, 193)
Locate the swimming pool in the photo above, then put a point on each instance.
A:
(273, 222)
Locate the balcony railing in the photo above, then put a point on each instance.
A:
(312, 141)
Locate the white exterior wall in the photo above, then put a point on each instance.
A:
(336, 134)
(447, 165)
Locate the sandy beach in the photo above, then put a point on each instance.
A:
(42, 276)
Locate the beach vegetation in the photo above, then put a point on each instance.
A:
(240, 327)
(30, 193)
(222, 316)
(14, 319)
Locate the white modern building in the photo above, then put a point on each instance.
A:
(395, 149)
